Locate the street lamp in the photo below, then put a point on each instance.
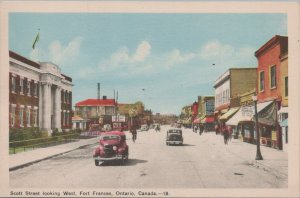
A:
(258, 154)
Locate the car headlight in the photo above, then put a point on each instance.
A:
(115, 148)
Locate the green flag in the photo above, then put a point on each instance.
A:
(36, 40)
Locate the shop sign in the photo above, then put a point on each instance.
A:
(274, 136)
(247, 111)
(118, 118)
(209, 107)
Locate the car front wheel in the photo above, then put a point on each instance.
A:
(96, 162)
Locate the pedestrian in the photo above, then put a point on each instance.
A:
(226, 135)
(134, 134)
(201, 129)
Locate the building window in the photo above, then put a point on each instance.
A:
(35, 117)
(12, 115)
(273, 76)
(13, 84)
(261, 81)
(21, 86)
(66, 97)
(286, 86)
(28, 88)
(35, 89)
(21, 116)
(28, 116)
(67, 118)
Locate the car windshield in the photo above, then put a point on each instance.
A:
(111, 137)
(174, 131)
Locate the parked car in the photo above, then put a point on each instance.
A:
(174, 136)
(113, 147)
(144, 127)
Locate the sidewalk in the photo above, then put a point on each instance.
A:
(274, 160)
(23, 159)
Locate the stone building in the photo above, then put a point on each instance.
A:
(39, 95)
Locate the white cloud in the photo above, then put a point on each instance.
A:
(123, 59)
(57, 53)
(142, 51)
(60, 54)
(215, 52)
(215, 49)
(176, 56)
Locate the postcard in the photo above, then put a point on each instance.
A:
(149, 99)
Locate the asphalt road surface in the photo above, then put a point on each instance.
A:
(201, 162)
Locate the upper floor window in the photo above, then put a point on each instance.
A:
(13, 84)
(35, 89)
(261, 81)
(21, 85)
(286, 86)
(28, 88)
(66, 97)
(273, 76)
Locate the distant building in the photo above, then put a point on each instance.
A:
(206, 107)
(94, 109)
(39, 95)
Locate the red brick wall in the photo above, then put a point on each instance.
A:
(26, 99)
(265, 61)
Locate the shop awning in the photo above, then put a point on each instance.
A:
(284, 123)
(208, 120)
(246, 113)
(229, 113)
(283, 110)
(197, 121)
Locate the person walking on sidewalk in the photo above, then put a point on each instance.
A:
(226, 135)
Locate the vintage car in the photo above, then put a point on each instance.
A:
(174, 136)
(144, 127)
(112, 147)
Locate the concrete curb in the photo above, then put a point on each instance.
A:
(45, 158)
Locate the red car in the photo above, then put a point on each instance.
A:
(112, 147)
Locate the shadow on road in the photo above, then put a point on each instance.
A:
(129, 162)
(182, 145)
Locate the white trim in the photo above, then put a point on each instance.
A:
(22, 106)
(13, 105)
(35, 107)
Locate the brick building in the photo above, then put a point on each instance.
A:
(272, 85)
(39, 95)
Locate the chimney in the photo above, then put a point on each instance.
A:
(104, 97)
(98, 91)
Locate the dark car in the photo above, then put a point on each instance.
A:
(112, 147)
(174, 136)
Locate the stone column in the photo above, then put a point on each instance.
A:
(57, 108)
(41, 106)
(47, 107)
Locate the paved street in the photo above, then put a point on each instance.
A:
(202, 162)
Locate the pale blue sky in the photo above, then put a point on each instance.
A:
(168, 55)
